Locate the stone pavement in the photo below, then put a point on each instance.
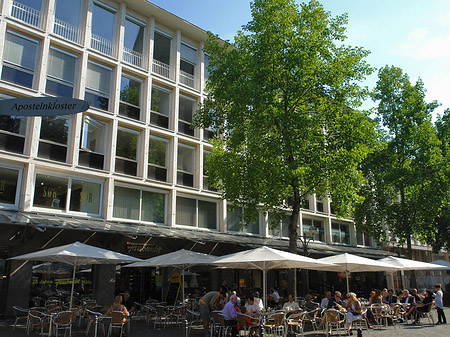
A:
(141, 329)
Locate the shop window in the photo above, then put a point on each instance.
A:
(67, 19)
(340, 233)
(92, 151)
(50, 192)
(188, 61)
(135, 204)
(185, 115)
(102, 36)
(126, 151)
(196, 213)
(60, 73)
(134, 42)
(130, 101)
(12, 133)
(185, 165)
(8, 185)
(98, 86)
(320, 232)
(157, 158)
(53, 138)
(19, 59)
(160, 108)
(85, 197)
(161, 54)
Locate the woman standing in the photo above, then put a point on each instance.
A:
(353, 311)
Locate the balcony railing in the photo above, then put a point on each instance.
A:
(26, 14)
(161, 68)
(103, 46)
(133, 57)
(67, 31)
(187, 79)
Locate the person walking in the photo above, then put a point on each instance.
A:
(439, 303)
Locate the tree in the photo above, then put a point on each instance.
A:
(282, 97)
(404, 193)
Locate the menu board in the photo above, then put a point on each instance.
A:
(174, 289)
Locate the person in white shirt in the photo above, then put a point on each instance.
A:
(251, 306)
(324, 303)
(258, 301)
(274, 297)
(439, 303)
(290, 305)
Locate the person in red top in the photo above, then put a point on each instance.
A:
(248, 320)
(117, 306)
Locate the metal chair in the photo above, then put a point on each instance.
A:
(63, 320)
(295, 323)
(311, 317)
(246, 330)
(361, 323)
(334, 319)
(117, 322)
(36, 320)
(276, 324)
(93, 318)
(19, 313)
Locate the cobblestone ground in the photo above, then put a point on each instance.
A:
(141, 329)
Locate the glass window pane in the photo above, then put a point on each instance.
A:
(126, 144)
(134, 36)
(157, 151)
(233, 219)
(186, 109)
(188, 53)
(98, 78)
(185, 161)
(36, 4)
(207, 214)
(61, 66)
(20, 51)
(185, 211)
(68, 11)
(126, 203)
(130, 90)
(8, 185)
(85, 197)
(55, 129)
(336, 233)
(50, 192)
(253, 227)
(14, 124)
(103, 22)
(161, 48)
(206, 65)
(153, 207)
(285, 227)
(160, 101)
(93, 135)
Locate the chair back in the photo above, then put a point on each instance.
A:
(19, 312)
(295, 311)
(218, 318)
(241, 319)
(334, 316)
(117, 317)
(312, 315)
(64, 317)
(278, 318)
(34, 319)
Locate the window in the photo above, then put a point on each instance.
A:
(53, 138)
(98, 85)
(126, 151)
(60, 73)
(206, 64)
(157, 158)
(52, 192)
(19, 59)
(340, 233)
(12, 133)
(67, 19)
(133, 42)
(196, 213)
(92, 149)
(319, 206)
(161, 54)
(135, 204)
(185, 165)
(130, 101)
(185, 115)
(283, 228)
(363, 239)
(103, 18)
(320, 234)
(9, 180)
(160, 109)
(234, 219)
(188, 60)
(27, 11)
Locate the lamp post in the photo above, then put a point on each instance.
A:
(305, 241)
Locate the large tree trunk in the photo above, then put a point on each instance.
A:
(409, 255)
(293, 235)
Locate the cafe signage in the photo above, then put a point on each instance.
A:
(42, 106)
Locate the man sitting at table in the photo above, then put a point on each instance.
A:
(390, 298)
(274, 297)
(335, 302)
(325, 300)
(258, 301)
(290, 305)
(230, 314)
(251, 306)
(128, 302)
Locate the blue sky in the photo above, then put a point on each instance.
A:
(413, 35)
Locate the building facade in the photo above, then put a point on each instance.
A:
(131, 165)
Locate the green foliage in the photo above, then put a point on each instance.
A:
(404, 174)
(282, 98)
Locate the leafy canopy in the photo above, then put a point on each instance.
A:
(282, 97)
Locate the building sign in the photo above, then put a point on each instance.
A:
(42, 106)
(141, 248)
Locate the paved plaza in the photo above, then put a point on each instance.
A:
(141, 329)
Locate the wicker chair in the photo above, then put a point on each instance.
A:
(295, 323)
(63, 321)
(334, 319)
(312, 317)
(19, 313)
(93, 318)
(276, 324)
(117, 322)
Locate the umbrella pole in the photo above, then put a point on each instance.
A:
(346, 276)
(73, 285)
(265, 288)
(182, 285)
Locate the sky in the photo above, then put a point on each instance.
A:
(413, 35)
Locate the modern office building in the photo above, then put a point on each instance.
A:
(128, 173)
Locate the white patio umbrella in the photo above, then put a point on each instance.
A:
(180, 259)
(265, 259)
(349, 263)
(77, 254)
(441, 263)
(406, 264)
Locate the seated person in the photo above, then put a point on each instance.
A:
(416, 295)
(290, 304)
(424, 306)
(390, 298)
(230, 314)
(325, 300)
(310, 304)
(128, 302)
(406, 298)
(117, 306)
(251, 307)
(335, 302)
(274, 297)
(248, 320)
(258, 301)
